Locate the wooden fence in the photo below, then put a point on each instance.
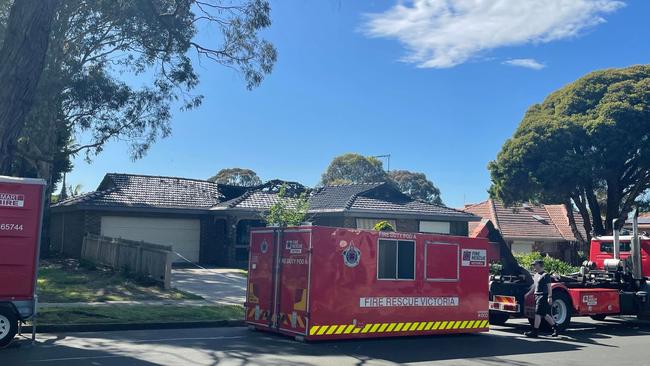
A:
(134, 257)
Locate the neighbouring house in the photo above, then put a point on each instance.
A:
(643, 221)
(210, 223)
(527, 228)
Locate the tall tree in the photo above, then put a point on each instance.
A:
(98, 48)
(22, 57)
(354, 168)
(587, 145)
(236, 177)
(416, 185)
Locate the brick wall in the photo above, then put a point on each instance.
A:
(409, 226)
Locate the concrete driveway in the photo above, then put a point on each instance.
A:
(215, 285)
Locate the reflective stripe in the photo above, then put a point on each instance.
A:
(383, 326)
(331, 330)
(312, 330)
(422, 325)
(341, 328)
(374, 327)
(470, 324)
(406, 327)
(399, 326)
(436, 325)
(429, 325)
(349, 329)
(338, 329)
(366, 328)
(322, 329)
(391, 326)
(414, 325)
(464, 324)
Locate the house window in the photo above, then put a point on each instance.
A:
(396, 260)
(435, 227)
(369, 224)
(242, 241)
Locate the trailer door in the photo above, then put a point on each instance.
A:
(292, 280)
(260, 289)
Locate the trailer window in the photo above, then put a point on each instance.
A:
(608, 247)
(396, 260)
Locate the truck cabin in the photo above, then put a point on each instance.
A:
(602, 248)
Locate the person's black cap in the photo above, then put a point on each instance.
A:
(538, 262)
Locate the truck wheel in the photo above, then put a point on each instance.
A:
(8, 326)
(498, 318)
(561, 309)
(599, 317)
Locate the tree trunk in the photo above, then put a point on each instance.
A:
(22, 58)
(596, 214)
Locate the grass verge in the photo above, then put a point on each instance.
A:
(65, 280)
(119, 314)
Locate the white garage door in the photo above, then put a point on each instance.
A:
(182, 234)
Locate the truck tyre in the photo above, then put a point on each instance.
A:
(599, 317)
(561, 309)
(498, 318)
(8, 326)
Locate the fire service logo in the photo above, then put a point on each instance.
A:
(12, 200)
(264, 247)
(351, 256)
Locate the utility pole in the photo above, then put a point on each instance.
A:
(387, 157)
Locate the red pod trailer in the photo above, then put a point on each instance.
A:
(21, 210)
(318, 283)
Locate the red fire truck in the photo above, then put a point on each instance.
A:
(612, 282)
(21, 209)
(319, 283)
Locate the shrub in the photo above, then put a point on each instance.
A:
(383, 226)
(550, 264)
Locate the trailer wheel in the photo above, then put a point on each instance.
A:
(8, 326)
(599, 317)
(498, 318)
(561, 309)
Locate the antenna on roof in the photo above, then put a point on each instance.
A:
(387, 157)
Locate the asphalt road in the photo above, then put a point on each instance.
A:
(589, 343)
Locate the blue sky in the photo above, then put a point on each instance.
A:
(437, 85)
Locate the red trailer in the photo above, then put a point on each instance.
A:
(21, 210)
(318, 283)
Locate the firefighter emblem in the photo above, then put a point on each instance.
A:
(351, 256)
(264, 247)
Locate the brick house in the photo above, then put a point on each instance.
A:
(210, 223)
(527, 228)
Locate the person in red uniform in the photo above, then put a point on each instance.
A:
(543, 300)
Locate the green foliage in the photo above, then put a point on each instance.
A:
(236, 177)
(383, 226)
(586, 145)
(551, 265)
(97, 48)
(288, 211)
(416, 185)
(354, 168)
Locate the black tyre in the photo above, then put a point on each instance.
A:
(561, 309)
(498, 318)
(8, 326)
(599, 317)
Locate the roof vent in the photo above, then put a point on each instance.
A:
(540, 219)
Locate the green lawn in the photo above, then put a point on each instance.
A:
(64, 280)
(107, 314)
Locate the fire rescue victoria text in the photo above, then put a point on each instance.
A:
(378, 302)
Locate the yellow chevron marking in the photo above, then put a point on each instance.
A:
(406, 327)
(463, 324)
(443, 325)
(414, 325)
(436, 325)
(331, 330)
(391, 326)
(457, 325)
(322, 329)
(449, 325)
(485, 324)
(356, 330)
(383, 327)
(429, 325)
(374, 327)
(313, 329)
(366, 328)
(470, 324)
(399, 326)
(340, 329)
(349, 329)
(422, 325)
